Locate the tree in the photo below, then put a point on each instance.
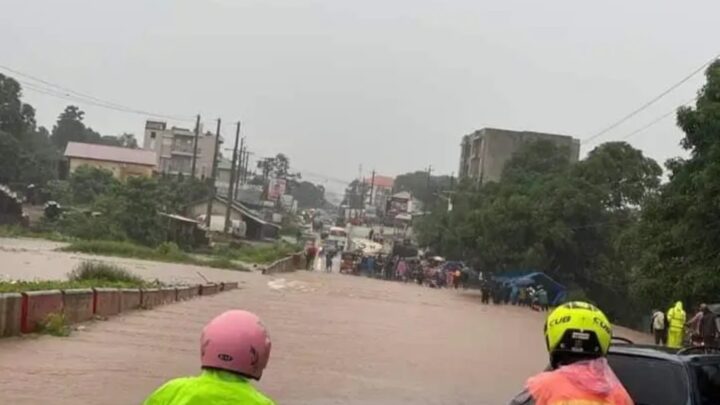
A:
(308, 195)
(26, 154)
(16, 117)
(679, 229)
(135, 207)
(422, 188)
(30, 159)
(87, 183)
(576, 222)
(126, 140)
(71, 128)
(623, 172)
(10, 163)
(538, 158)
(281, 165)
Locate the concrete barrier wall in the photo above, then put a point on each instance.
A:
(298, 260)
(209, 289)
(150, 298)
(37, 305)
(107, 301)
(10, 314)
(78, 305)
(129, 299)
(168, 295)
(285, 265)
(230, 286)
(194, 291)
(183, 293)
(26, 312)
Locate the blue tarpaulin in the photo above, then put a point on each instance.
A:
(556, 291)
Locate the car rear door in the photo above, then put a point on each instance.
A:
(652, 381)
(706, 376)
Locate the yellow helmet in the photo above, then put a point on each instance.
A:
(579, 329)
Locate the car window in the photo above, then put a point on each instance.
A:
(640, 376)
(707, 375)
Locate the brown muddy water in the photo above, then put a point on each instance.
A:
(336, 340)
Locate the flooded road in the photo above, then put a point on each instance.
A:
(336, 340)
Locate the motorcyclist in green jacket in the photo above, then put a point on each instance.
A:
(235, 348)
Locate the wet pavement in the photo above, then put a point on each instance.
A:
(336, 340)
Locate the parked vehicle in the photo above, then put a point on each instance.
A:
(656, 375)
(339, 235)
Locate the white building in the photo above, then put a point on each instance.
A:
(174, 147)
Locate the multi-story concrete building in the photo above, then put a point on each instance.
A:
(483, 153)
(174, 148)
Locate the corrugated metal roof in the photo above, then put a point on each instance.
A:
(381, 181)
(110, 153)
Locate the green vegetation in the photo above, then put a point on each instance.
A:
(55, 325)
(166, 252)
(87, 274)
(91, 270)
(13, 231)
(604, 226)
(257, 254)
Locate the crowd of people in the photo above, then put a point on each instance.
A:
(535, 297)
(432, 272)
(672, 329)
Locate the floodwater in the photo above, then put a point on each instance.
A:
(337, 339)
(31, 259)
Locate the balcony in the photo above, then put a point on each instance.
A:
(182, 132)
(182, 152)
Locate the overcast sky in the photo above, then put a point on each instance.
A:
(391, 85)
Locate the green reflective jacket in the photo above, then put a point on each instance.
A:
(210, 387)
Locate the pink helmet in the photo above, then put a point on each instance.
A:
(236, 341)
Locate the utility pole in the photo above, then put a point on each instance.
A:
(429, 191)
(197, 135)
(243, 166)
(238, 171)
(362, 194)
(211, 188)
(372, 186)
(231, 186)
(245, 169)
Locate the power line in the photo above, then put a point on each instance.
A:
(652, 101)
(656, 120)
(56, 90)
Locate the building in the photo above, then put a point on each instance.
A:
(379, 191)
(256, 227)
(483, 153)
(122, 162)
(174, 148)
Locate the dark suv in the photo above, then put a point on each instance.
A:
(655, 375)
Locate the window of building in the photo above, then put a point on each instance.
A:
(152, 134)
